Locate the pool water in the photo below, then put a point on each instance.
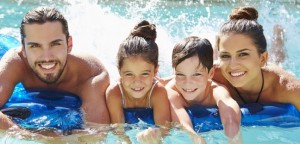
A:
(99, 26)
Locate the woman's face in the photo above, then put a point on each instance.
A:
(191, 78)
(239, 59)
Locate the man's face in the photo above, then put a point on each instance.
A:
(46, 50)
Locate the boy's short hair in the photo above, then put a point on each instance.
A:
(190, 47)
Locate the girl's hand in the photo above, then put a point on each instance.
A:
(150, 136)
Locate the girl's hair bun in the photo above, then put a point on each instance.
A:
(249, 13)
(144, 29)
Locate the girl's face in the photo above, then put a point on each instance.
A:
(239, 59)
(137, 76)
(191, 78)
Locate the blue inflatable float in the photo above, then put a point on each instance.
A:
(34, 109)
(7, 42)
(255, 114)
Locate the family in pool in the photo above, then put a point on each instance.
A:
(239, 75)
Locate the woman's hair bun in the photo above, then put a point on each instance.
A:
(144, 29)
(249, 13)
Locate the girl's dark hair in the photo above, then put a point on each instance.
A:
(190, 47)
(140, 42)
(243, 20)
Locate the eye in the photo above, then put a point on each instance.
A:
(179, 74)
(55, 44)
(128, 74)
(197, 74)
(243, 54)
(145, 74)
(33, 45)
(224, 56)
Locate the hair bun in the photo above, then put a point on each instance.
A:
(249, 13)
(144, 29)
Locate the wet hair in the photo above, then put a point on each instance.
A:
(190, 47)
(243, 20)
(42, 15)
(140, 42)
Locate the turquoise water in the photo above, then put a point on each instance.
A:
(99, 26)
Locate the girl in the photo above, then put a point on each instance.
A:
(137, 88)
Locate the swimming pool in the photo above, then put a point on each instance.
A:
(99, 26)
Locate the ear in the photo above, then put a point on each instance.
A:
(263, 59)
(70, 44)
(211, 72)
(156, 70)
(23, 51)
(119, 72)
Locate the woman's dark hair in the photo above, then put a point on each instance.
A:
(243, 20)
(140, 42)
(190, 47)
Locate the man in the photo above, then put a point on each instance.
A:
(45, 61)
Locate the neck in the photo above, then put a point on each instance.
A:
(252, 93)
(131, 101)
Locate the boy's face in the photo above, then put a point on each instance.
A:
(46, 49)
(191, 78)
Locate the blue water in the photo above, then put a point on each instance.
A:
(99, 26)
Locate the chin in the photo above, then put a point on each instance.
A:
(237, 84)
(189, 97)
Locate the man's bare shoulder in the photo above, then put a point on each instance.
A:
(87, 72)
(86, 63)
(12, 59)
(13, 54)
(13, 68)
(86, 59)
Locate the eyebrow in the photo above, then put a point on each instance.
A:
(131, 71)
(245, 49)
(57, 40)
(54, 41)
(32, 43)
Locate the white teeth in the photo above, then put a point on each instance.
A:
(235, 74)
(47, 66)
(189, 90)
(137, 89)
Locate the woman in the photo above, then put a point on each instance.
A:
(242, 54)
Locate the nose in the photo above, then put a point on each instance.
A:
(137, 79)
(47, 54)
(188, 79)
(234, 63)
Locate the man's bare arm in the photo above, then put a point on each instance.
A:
(94, 99)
